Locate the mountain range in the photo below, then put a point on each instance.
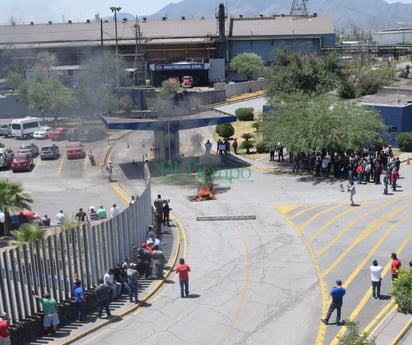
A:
(348, 15)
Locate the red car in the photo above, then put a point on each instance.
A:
(75, 150)
(58, 134)
(22, 162)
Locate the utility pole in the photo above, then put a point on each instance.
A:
(115, 10)
(299, 8)
(139, 67)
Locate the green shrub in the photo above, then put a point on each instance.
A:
(225, 130)
(248, 143)
(402, 290)
(354, 337)
(244, 114)
(262, 147)
(404, 141)
(28, 232)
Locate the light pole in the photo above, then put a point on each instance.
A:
(115, 10)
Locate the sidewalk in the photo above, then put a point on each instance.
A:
(69, 333)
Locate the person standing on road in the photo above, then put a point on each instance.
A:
(208, 146)
(337, 294)
(103, 294)
(183, 270)
(60, 218)
(395, 266)
(158, 261)
(376, 279)
(80, 300)
(51, 318)
(4, 330)
(109, 169)
(166, 213)
(352, 191)
(133, 278)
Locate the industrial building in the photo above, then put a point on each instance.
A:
(157, 49)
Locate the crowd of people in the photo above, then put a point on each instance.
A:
(148, 262)
(369, 165)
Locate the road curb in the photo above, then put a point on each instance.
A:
(179, 229)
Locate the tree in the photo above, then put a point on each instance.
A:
(247, 144)
(303, 123)
(404, 141)
(294, 72)
(15, 80)
(46, 95)
(361, 78)
(225, 130)
(354, 336)
(12, 199)
(250, 64)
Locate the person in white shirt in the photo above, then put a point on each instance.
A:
(114, 211)
(60, 217)
(376, 279)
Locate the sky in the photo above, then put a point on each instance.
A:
(58, 11)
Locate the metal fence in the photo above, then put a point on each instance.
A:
(89, 251)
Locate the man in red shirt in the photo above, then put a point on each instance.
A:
(395, 265)
(4, 330)
(183, 270)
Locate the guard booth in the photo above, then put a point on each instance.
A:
(166, 128)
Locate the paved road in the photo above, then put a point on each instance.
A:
(267, 280)
(252, 281)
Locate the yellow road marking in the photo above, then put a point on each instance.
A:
(60, 168)
(324, 292)
(284, 209)
(365, 298)
(125, 197)
(350, 225)
(392, 306)
(244, 288)
(372, 227)
(306, 209)
(317, 215)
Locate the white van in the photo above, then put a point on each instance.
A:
(25, 127)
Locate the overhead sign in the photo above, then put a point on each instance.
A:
(180, 67)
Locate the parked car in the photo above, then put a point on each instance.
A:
(22, 162)
(42, 133)
(49, 152)
(5, 130)
(58, 134)
(72, 134)
(31, 149)
(91, 134)
(6, 157)
(75, 150)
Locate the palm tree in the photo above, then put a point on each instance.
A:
(12, 199)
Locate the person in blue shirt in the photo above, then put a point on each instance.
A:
(337, 294)
(80, 300)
